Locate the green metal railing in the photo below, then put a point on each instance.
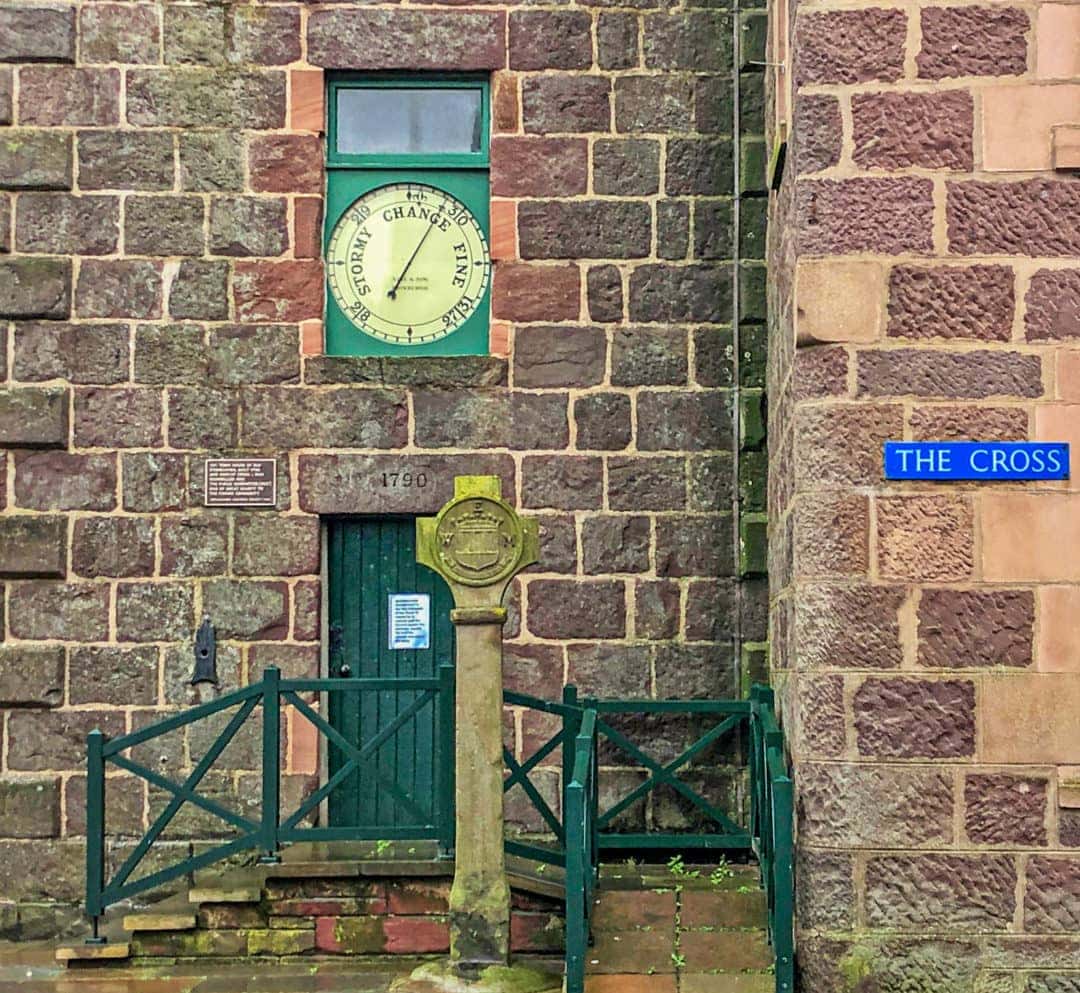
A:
(273, 827)
(580, 836)
(772, 825)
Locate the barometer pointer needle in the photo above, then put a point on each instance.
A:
(393, 291)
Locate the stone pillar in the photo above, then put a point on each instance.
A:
(477, 543)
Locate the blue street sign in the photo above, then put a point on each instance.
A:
(989, 460)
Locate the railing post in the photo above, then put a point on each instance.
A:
(271, 764)
(95, 832)
(571, 723)
(783, 911)
(576, 888)
(445, 761)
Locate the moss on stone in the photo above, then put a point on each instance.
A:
(443, 977)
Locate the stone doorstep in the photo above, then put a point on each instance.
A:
(225, 894)
(151, 921)
(112, 951)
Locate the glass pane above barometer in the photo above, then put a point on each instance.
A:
(391, 120)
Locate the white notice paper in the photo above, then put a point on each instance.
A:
(410, 620)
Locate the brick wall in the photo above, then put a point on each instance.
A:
(924, 275)
(161, 296)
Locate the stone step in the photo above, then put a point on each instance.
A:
(725, 951)
(112, 951)
(225, 893)
(151, 921)
(747, 982)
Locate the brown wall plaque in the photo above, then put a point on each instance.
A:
(240, 483)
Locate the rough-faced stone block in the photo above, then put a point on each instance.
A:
(825, 889)
(539, 167)
(521, 291)
(610, 670)
(154, 612)
(203, 418)
(194, 546)
(710, 607)
(35, 160)
(211, 162)
(199, 290)
(957, 423)
(241, 354)
(119, 32)
(605, 293)
(925, 538)
(656, 609)
(861, 806)
(113, 546)
(960, 628)
(278, 291)
(698, 167)
(37, 33)
(901, 130)
(584, 229)
(171, 353)
(488, 419)
(617, 41)
(821, 730)
(32, 417)
(559, 356)
(249, 226)
(951, 302)
(550, 39)
(81, 353)
(695, 40)
(415, 40)
(42, 610)
(118, 288)
(60, 96)
(339, 418)
(817, 132)
(645, 356)
(1052, 895)
(265, 545)
(1052, 305)
(687, 293)
(973, 41)
(65, 481)
(566, 608)
(841, 444)
(116, 676)
(1002, 809)
(201, 98)
(31, 676)
(637, 483)
(562, 482)
(125, 160)
(697, 420)
(848, 626)
(973, 893)
(61, 222)
(658, 103)
(615, 543)
(603, 421)
(563, 104)
(697, 671)
(975, 374)
(849, 46)
(909, 718)
(118, 417)
(33, 546)
(153, 481)
(163, 225)
(286, 163)
(30, 808)
(694, 546)
(866, 214)
(1020, 218)
(832, 535)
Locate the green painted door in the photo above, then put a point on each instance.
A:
(403, 788)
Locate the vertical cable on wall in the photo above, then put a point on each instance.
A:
(736, 375)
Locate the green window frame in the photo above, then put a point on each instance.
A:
(464, 175)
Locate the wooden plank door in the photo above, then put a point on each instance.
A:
(404, 788)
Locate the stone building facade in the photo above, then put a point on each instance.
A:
(924, 280)
(161, 301)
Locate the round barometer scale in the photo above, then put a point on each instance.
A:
(408, 263)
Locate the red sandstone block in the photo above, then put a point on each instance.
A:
(418, 898)
(538, 167)
(973, 41)
(278, 291)
(1022, 218)
(849, 46)
(416, 935)
(898, 130)
(951, 302)
(307, 227)
(286, 163)
(865, 215)
(525, 292)
(1053, 305)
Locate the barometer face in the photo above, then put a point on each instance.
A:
(408, 263)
